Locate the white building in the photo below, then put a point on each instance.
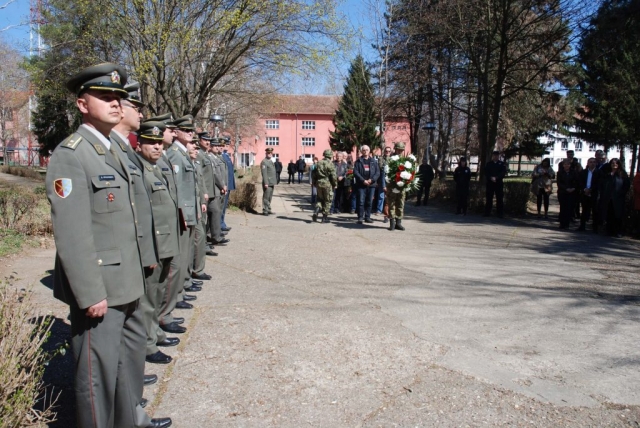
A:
(583, 150)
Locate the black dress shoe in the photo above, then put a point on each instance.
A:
(189, 297)
(223, 233)
(173, 327)
(202, 276)
(178, 320)
(183, 305)
(169, 341)
(150, 379)
(223, 242)
(196, 282)
(226, 229)
(158, 358)
(193, 289)
(160, 423)
(143, 403)
(211, 253)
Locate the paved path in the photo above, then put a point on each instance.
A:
(458, 321)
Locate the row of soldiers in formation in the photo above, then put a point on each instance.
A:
(130, 228)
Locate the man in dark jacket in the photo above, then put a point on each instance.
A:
(291, 170)
(301, 165)
(366, 173)
(426, 174)
(589, 194)
(278, 166)
(494, 171)
(462, 177)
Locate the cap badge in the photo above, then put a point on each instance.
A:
(155, 131)
(115, 77)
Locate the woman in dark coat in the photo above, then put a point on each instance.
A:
(462, 177)
(568, 184)
(613, 191)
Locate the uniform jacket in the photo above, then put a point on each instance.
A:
(141, 201)
(167, 172)
(495, 169)
(200, 187)
(94, 224)
(324, 174)
(268, 172)
(231, 178)
(207, 173)
(165, 211)
(185, 175)
(462, 177)
(220, 173)
(358, 171)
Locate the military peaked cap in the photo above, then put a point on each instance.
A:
(101, 77)
(151, 130)
(166, 118)
(134, 97)
(185, 122)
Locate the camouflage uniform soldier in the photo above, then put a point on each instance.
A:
(395, 197)
(325, 179)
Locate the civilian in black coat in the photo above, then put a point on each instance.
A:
(462, 177)
(614, 186)
(291, 170)
(589, 178)
(568, 185)
(278, 166)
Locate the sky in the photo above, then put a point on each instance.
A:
(14, 30)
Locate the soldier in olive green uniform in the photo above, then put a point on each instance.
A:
(219, 190)
(325, 179)
(268, 181)
(395, 197)
(208, 177)
(175, 281)
(200, 249)
(98, 269)
(165, 223)
(185, 174)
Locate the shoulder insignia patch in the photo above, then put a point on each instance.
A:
(72, 142)
(62, 187)
(99, 148)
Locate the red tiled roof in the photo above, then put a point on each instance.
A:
(302, 104)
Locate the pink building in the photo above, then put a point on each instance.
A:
(299, 125)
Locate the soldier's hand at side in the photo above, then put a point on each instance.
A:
(153, 266)
(98, 310)
(266, 185)
(204, 208)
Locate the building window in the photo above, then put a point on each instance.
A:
(578, 146)
(308, 158)
(308, 124)
(273, 141)
(275, 156)
(592, 147)
(308, 141)
(273, 124)
(564, 145)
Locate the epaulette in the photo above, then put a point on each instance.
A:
(99, 148)
(122, 145)
(72, 141)
(149, 168)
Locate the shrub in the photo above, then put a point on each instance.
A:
(245, 197)
(22, 362)
(22, 171)
(24, 211)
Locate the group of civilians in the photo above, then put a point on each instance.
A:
(597, 192)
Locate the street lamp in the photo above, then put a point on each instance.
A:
(429, 127)
(216, 119)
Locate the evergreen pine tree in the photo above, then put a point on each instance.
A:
(356, 119)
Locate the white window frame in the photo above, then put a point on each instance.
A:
(308, 141)
(578, 145)
(564, 145)
(309, 124)
(593, 147)
(272, 124)
(308, 157)
(272, 141)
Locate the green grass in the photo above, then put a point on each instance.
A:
(10, 242)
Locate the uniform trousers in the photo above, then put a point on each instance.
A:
(200, 245)
(214, 214)
(175, 284)
(266, 199)
(396, 204)
(497, 189)
(225, 203)
(187, 244)
(109, 353)
(325, 197)
(151, 301)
